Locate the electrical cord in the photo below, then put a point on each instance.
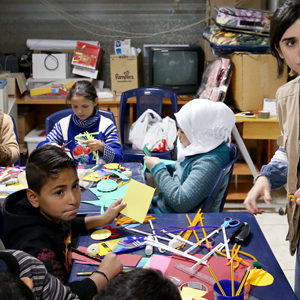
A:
(55, 60)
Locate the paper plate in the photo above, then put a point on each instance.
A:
(101, 234)
(107, 185)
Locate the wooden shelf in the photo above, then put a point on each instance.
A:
(242, 169)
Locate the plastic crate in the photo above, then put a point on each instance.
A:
(34, 137)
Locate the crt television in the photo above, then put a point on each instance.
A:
(176, 68)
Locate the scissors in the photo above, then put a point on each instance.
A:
(229, 222)
(63, 147)
(114, 232)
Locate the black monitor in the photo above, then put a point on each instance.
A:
(176, 68)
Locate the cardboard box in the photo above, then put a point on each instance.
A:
(16, 84)
(254, 77)
(54, 65)
(125, 72)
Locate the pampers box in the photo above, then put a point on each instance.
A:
(34, 137)
(125, 72)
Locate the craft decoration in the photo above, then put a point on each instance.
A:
(80, 138)
(112, 166)
(101, 234)
(107, 185)
(94, 176)
(259, 277)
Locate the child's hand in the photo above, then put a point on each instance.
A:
(61, 147)
(94, 145)
(151, 161)
(111, 266)
(113, 210)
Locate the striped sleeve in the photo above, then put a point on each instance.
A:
(55, 135)
(276, 170)
(46, 286)
(113, 151)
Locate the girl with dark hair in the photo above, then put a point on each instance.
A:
(91, 137)
(283, 168)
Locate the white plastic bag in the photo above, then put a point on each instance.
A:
(149, 129)
(139, 128)
(161, 136)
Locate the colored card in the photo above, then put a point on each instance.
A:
(129, 260)
(138, 198)
(160, 262)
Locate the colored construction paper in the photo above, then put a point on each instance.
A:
(144, 262)
(195, 294)
(160, 262)
(129, 260)
(138, 198)
(107, 185)
(120, 175)
(116, 194)
(80, 259)
(87, 261)
(95, 176)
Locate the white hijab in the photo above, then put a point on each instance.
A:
(206, 124)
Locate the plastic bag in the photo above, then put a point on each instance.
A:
(149, 129)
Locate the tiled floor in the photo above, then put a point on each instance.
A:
(275, 227)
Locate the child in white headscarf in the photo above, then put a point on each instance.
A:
(204, 128)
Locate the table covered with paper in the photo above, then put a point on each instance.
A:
(190, 257)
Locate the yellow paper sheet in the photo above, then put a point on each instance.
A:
(138, 198)
(190, 293)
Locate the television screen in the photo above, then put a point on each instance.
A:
(179, 69)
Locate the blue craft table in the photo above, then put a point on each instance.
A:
(85, 208)
(255, 244)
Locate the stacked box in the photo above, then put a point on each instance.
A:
(125, 72)
(254, 78)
